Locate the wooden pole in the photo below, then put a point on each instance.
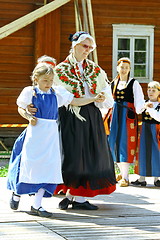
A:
(91, 24)
(31, 17)
(85, 19)
(76, 16)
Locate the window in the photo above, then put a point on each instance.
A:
(137, 43)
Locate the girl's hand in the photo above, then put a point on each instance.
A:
(31, 109)
(100, 97)
(32, 120)
(149, 105)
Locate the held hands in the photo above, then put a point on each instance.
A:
(100, 97)
(31, 111)
(33, 120)
(148, 105)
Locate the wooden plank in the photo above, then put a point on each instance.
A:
(18, 41)
(12, 118)
(16, 50)
(29, 18)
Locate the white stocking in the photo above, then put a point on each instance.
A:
(38, 198)
(68, 195)
(155, 179)
(80, 199)
(119, 165)
(125, 170)
(141, 179)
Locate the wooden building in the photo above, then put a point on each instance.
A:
(122, 28)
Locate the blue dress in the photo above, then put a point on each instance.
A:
(47, 108)
(124, 124)
(149, 146)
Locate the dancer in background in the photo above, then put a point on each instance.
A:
(149, 146)
(129, 101)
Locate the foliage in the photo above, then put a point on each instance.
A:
(4, 171)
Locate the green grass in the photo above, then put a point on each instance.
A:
(4, 171)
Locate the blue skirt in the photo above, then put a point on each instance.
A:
(149, 152)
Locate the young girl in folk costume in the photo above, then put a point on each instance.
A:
(129, 101)
(88, 168)
(149, 146)
(35, 167)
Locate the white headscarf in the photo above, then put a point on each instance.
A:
(78, 37)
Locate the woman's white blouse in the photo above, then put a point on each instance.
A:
(152, 112)
(64, 97)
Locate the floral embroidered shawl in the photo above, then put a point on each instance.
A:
(67, 74)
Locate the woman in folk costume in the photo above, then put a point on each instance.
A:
(129, 101)
(88, 168)
(149, 147)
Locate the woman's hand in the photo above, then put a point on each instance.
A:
(30, 109)
(100, 97)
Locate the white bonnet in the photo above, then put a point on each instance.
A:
(78, 37)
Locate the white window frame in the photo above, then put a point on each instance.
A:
(134, 31)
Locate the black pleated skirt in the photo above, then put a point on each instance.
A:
(87, 157)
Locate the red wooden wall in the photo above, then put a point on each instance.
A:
(49, 35)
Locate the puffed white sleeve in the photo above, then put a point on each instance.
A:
(25, 97)
(153, 113)
(109, 101)
(139, 101)
(64, 97)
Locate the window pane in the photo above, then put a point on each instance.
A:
(139, 70)
(123, 54)
(123, 44)
(140, 44)
(140, 57)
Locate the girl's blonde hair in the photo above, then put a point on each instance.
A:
(154, 84)
(47, 59)
(39, 70)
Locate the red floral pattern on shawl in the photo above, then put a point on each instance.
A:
(69, 74)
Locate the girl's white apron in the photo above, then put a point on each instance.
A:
(41, 158)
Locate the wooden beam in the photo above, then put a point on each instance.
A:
(31, 17)
(91, 24)
(85, 18)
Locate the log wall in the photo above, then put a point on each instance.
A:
(49, 35)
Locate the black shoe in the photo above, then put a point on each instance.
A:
(157, 183)
(43, 213)
(63, 205)
(136, 183)
(14, 204)
(84, 206)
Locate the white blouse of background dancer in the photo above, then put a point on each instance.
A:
(139, 101)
